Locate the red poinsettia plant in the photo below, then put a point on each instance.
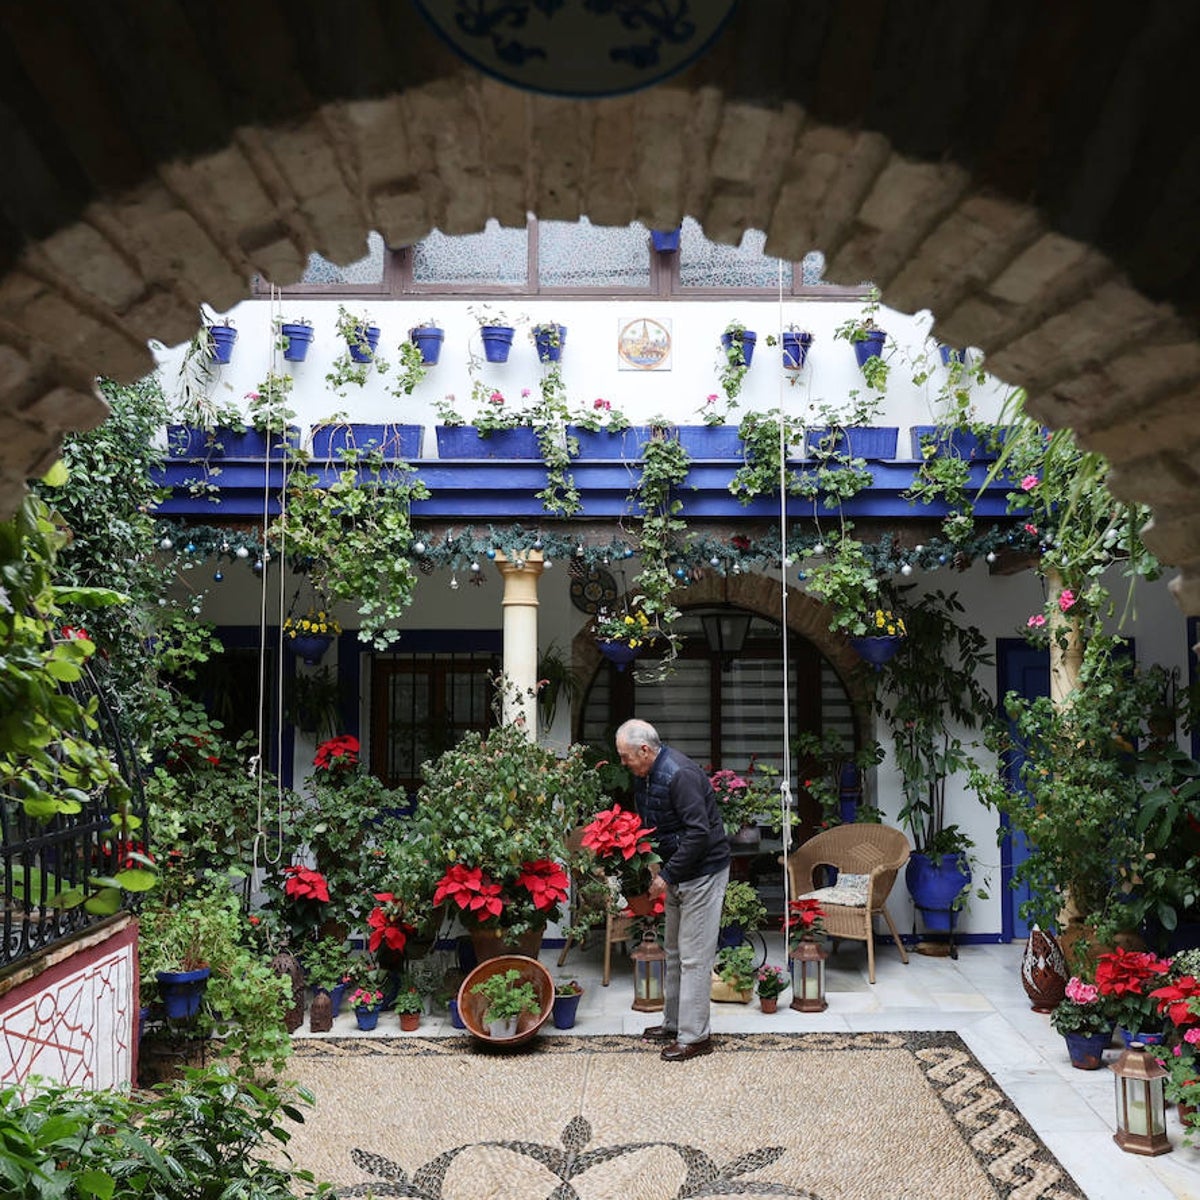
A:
(621, 852)
(1125, 980)
(540, 885)
(388, 924)
(337, 754)
(803, 922)
(304, 900)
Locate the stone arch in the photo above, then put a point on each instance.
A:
(759, 594)
(1047, 220)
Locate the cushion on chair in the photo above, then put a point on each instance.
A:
(850, 891)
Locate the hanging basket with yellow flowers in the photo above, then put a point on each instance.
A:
(621, 637)
(309, 636)
(879, 645)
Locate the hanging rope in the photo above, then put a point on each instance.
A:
(256, 761)
(785, 779)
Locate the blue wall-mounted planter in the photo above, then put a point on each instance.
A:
(859, 441)
(297, 339)
(465, 441)
(428, 339)
(363, 344)
(625, 444)
(395, 441)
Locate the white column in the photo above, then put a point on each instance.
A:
(521, 573)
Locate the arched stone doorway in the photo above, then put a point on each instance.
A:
(1025, 173)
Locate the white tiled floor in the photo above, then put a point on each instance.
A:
(979, 996)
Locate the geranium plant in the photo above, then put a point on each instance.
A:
(1082, 1010)
(599, 415)
(366, 998)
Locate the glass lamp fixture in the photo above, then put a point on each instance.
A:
(725, 632)
(807, 964)
(1141, 1110)
(649, 973)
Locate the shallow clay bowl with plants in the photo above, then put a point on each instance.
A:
(471, 1008)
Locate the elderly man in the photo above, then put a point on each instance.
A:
(675, 798)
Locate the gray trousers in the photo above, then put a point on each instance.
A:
(693, 914)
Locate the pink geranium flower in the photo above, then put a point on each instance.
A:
(1031, 530)
(1029, 483)
(1036, 621)
(1066, 599)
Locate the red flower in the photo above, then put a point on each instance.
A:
(303, 883)
(545, 881)
(615, 831)
(1124, 972)
(76, 633)
(471, 890)
(1175, 1001)
(338, 753)
(387, 926)
(805, 917)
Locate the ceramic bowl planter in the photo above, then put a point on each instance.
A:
(497, 342)
(472, 1007)
(296, 341)
(877, 650)
(549, 341)
(220, 342)
(310, 648)
(618, 653)
(428, 339)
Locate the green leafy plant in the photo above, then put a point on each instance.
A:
(1081, 1010)
(269, 412)
(731, 371)
(826, 759)
(568, 987)
(735, 966)
(507, 995)
(352, 327)
(329, 962)
(855, 329)
(772, 981)
(556, 681)
(845, 579)
(409, 1000)
(411, 369)
(743, 907)
(355, 536)
(765, 456)
(599, 416)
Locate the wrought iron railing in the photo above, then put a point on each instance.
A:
(42, 860)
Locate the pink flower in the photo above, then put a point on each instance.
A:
(1031, 530)
(603, 405)
(1066, 599)
(1029, 483)
(1036, 621)
(524, 393)
(711, 398)
(1080, 992)
(1192, 1035)
(496, 398)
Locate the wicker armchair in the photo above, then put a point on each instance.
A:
(876, 851)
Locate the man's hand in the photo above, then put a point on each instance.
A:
(658, 887)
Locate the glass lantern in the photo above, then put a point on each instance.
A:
(1141, 1111)
(649, 973)
(807, 963)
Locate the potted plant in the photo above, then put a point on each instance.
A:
(410, 1004)
(221, 337)
(492, 816)
(1085, 1025)
(796, 344)
(599, 430)
(665, 241)
(567, 994)
(742, 913)
(309, 636)
(295, 338)
(354, 364)
(771, 981)
(734, 974)
(508, 996)
(498, 429)
(622, 636)
(1126, 980)
(496, 332)
(885, 635)
(618, 856)
(867, 340)
(367, 1003)
(329, 966)
(427, 337)
(549, 339)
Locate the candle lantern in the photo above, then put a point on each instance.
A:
(1141, 1111)
(807, 964)
(649, 973)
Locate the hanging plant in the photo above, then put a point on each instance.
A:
(355, 537)
(354, 364)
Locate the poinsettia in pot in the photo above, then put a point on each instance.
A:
(1179, 1003)
(1126, 980)
(620, 862)
(493, 815)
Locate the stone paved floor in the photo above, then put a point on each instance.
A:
(979, 996)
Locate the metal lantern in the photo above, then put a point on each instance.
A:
(1141, 1111)
(807, 964)
(649, 973)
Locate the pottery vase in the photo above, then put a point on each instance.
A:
(1044, 971)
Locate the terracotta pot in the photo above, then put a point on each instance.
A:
(491, 943)
(640, 905)
(410, 1021)
(472, 1008)
(768, 1004)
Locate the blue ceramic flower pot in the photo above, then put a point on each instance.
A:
(549, 340)
(1087, 1049)
(870, 346)
(220, 342)
(565, 1009)
(497, 342)
(367, 1018)
(181, 992)
(297, 339)
(310, 647)
(428, 339)
(465, 441)
(618, 653)
(363, 343)
(749, 341)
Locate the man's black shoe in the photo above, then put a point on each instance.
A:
(659, 1033)
(676, 1052)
